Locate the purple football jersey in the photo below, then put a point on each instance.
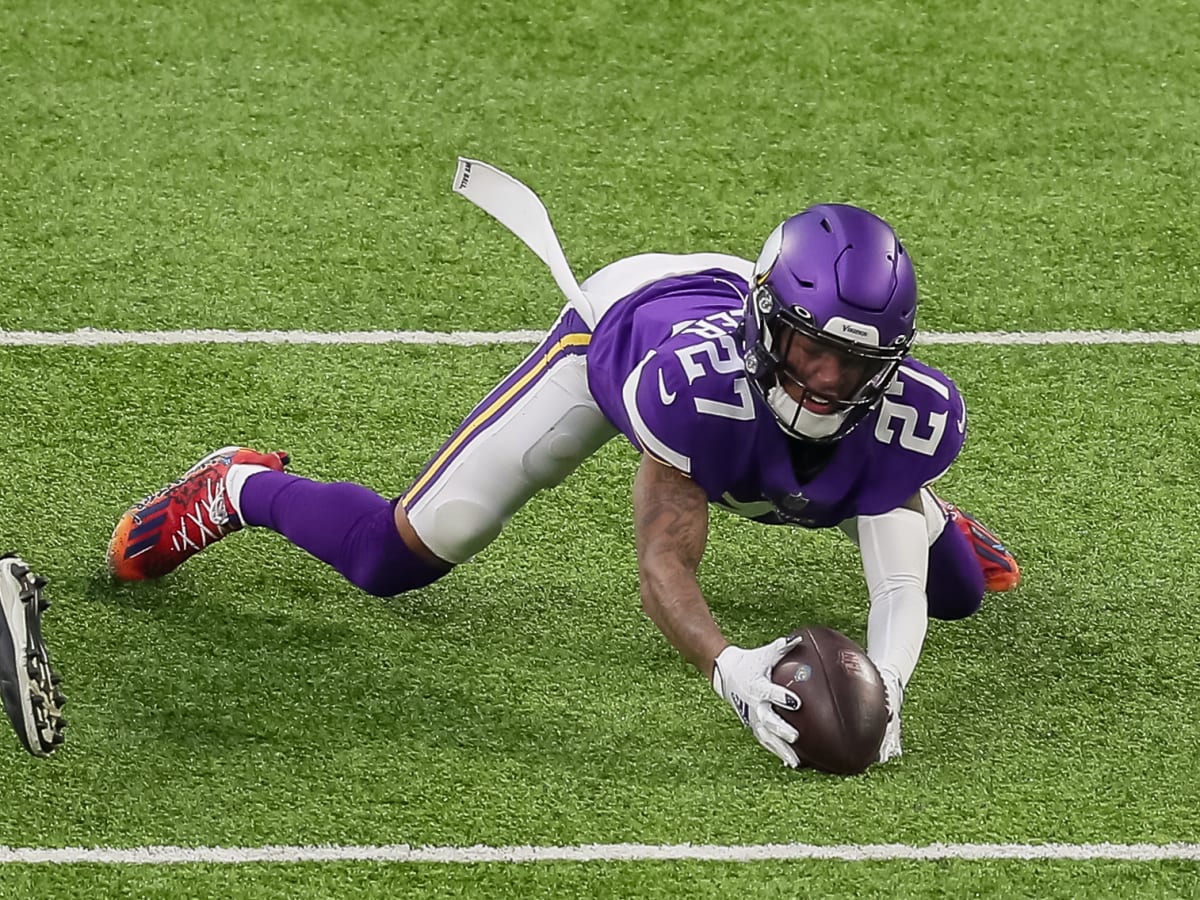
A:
(665, 366)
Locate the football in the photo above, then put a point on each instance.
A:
(843, 712)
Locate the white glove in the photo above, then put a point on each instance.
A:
(890, 747)
(743, 678)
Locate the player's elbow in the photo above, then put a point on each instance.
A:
(659, 577)
(650, 582)
(649, 593)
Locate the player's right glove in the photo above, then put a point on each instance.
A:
(890, 747)
(743, 678)
(28, 686)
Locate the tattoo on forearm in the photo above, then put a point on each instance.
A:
(671, 523)
(671, 515)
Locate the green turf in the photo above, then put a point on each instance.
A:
(287, 165)
(523, 701)
(837, 881)
(252, 165)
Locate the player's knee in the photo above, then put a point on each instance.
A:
(954, 591)
(954, 584)
(380, 561)
(950, 605)
(461, 528)
(396, 573)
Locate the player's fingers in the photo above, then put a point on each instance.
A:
(780, 647)
(778, 695)
(781, 749)
(888, 753)
(777, 726)
(889, 748)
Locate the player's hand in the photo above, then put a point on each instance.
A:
(743, 678)
(890, 747)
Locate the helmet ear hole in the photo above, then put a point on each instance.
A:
(755, 364)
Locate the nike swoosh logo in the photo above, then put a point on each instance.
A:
(667, 397)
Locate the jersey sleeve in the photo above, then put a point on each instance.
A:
(687, 423)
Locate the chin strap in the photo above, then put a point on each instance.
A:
(805, 424)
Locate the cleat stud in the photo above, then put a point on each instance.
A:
(19, 571)
(39, 582)
(60, 699)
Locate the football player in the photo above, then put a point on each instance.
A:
(782, 390)
(28, 685)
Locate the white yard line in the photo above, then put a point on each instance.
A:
(90, 337)
(403, 853)
(1059, 337)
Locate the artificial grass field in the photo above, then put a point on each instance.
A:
(287, 166)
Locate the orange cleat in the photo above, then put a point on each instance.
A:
(156, 535)
(1000, 569)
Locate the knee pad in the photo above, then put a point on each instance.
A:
(559, 452)
(460, 528)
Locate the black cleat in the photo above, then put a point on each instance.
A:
(28, 685)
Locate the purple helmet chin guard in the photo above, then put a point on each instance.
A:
(837, 275)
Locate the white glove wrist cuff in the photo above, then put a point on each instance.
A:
(717, 681)
(894, 686)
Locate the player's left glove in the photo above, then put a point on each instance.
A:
(890, 747)
(28, 686)
(743, 678)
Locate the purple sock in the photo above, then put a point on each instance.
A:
(955, 582)
(346, 525)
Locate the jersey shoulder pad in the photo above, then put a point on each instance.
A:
(691, 409)
(918, 429)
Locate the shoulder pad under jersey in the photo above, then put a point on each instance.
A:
(917, 430)
(691, 407)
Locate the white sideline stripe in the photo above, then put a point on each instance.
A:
(91, 337)
(404, 853)
(1059, 337)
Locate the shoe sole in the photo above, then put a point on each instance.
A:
(28, 683)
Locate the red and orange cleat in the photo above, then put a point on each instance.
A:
(156, 535)
(1000, 569)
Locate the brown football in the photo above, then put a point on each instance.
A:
(843, 711)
